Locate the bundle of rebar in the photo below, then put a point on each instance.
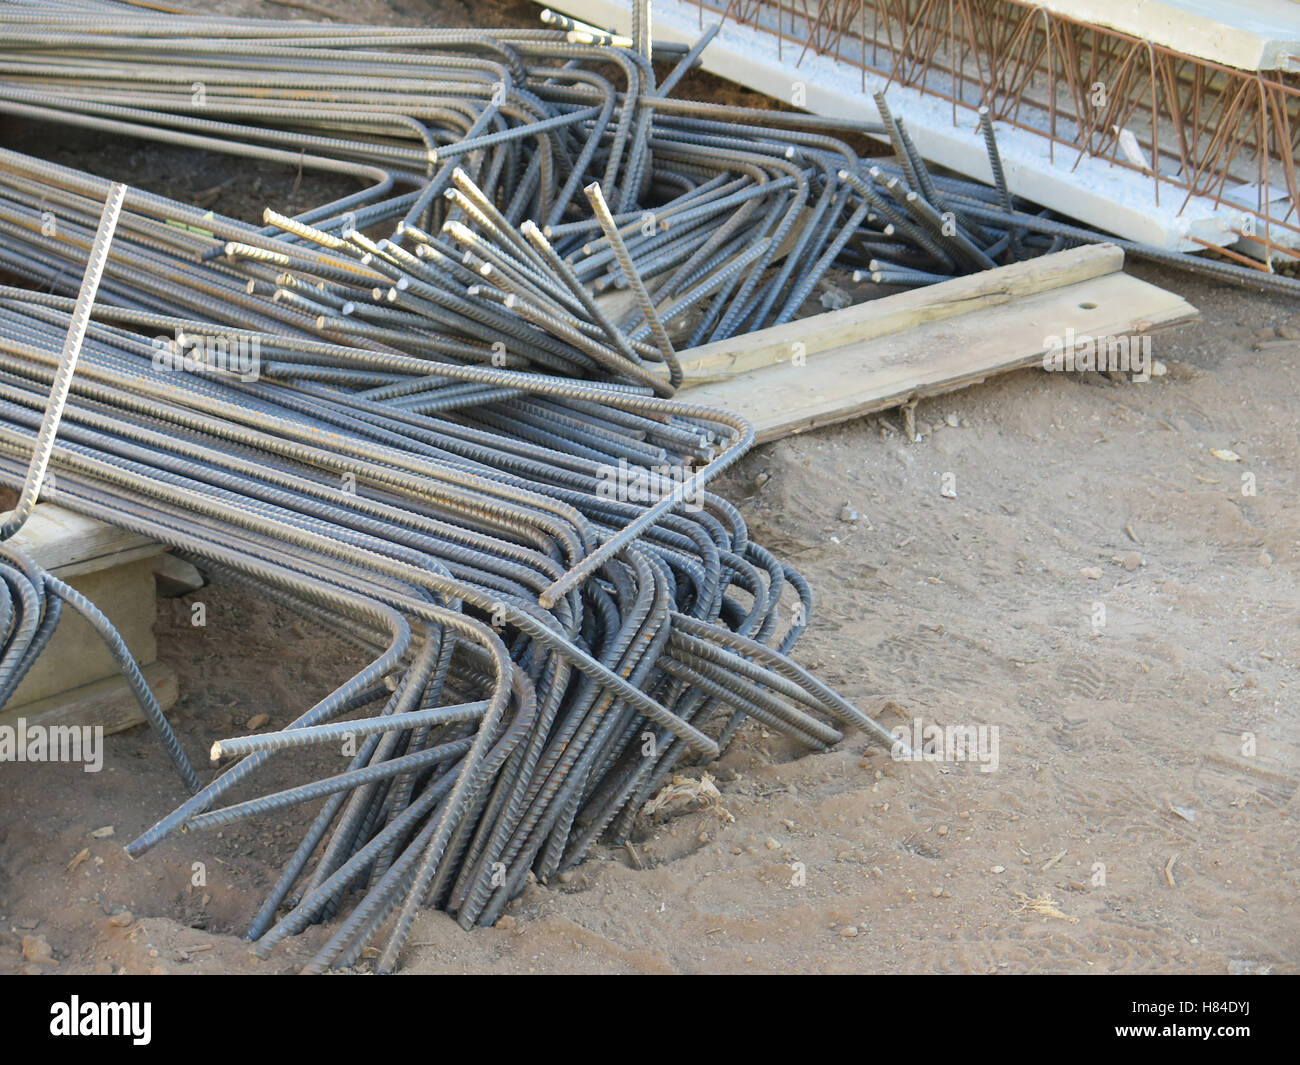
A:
(437, 445)
(421, 417)
(497, 738)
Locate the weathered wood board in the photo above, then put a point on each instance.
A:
(948, 336)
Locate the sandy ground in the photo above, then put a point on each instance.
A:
(1142, 816)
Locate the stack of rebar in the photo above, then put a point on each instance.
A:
(498, 737)
(435, 416)
(437, 444)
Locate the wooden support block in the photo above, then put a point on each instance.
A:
(76, 655)
(68, 544)
(108, 702)
(75, 680)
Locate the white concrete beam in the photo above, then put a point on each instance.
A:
(1096, 192)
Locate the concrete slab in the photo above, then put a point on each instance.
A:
(1093, 190)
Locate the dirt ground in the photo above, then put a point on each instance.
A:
(1142, 817)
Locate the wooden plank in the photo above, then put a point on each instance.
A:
(109, 703)
(938, 356)
(898, 312)
(75, 654)
(69, 544)
(75, 681)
